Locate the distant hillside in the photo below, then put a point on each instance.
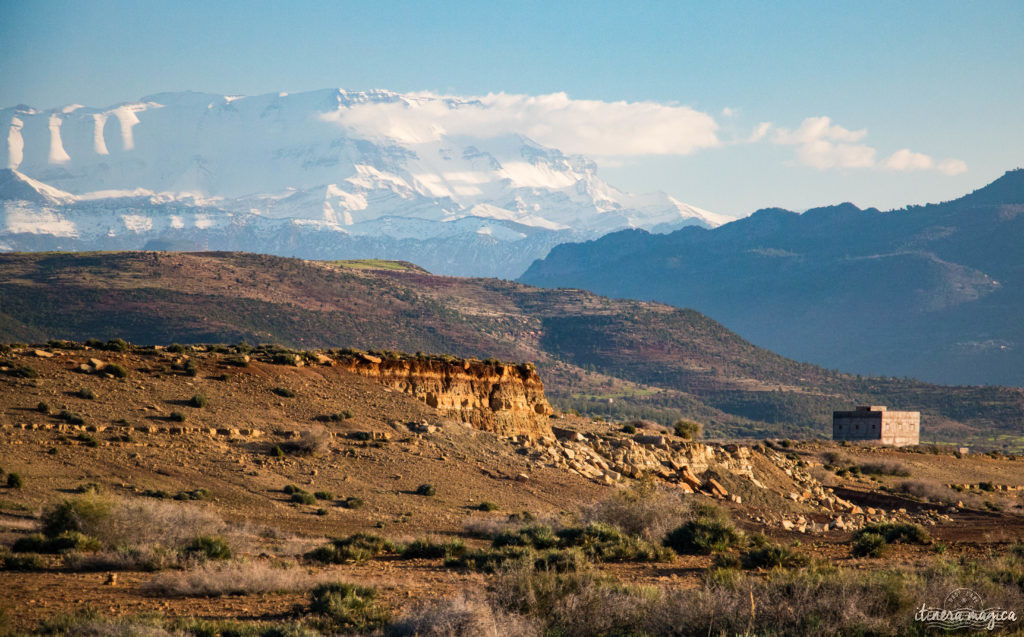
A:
(609, 357)
(933, 292)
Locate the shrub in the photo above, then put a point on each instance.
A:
(904, 533)
(629, 428)
(773, 556)
(15, 481)
(536, 536)
(209, 547)
(87, 440)
(426, 489)
(885, 468)
(352, 502)
(71, 418)
(277, 452)
(323, 495)
(20, 371)
(338, 417)
(687, 429)
(116, 345)
(283, 392)
(67, 541)
(494, 559)
(86, 393)
(605, 543)
(176, 348)
(195, 494)
(428, 550)
(348, 607)
(869, 545)
(83, 515)
(198, 401)
(303, 497)
(703, 536)
(354, 548)
(191, 368)
(311, 442)
(30, 562)
(43, 407)
(646, 509)
(115, 370)
(178, 416)
(487, 505)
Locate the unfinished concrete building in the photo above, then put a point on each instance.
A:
(878, 424)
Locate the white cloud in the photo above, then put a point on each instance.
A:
(952, 166)
(823, 145)
(587, 127)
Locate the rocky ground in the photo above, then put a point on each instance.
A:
(208, 432)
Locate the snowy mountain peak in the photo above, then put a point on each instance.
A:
(332, 159)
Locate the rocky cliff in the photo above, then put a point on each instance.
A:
(504, 398)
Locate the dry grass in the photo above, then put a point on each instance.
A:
(461, 617)
(932, 491)
(231, 579)
(646, 510)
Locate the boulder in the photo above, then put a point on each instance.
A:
(41, 353)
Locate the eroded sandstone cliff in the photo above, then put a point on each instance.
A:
(493, 396)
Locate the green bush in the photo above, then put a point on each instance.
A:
(177, 348)
(283, 392)
(323, 495)
(191, 368)
(86, 393)
(904, 533)
(303, 497)
(354, 548)
(115, 370)
(352, 502)
(71, 418)
(703, 536)
(277, 451)
(348, 607)
(687, 429)
(14, 481)
(116, 345)
(67, 541)
(79, 514)
(426, 489)
(429, 550)
(198, 401)
(487, 505)
(210, 547)
(629, 428)
(30, 562)
(177, 416)
(494, 559)
(869, 545)
(43, 407)
(773, 556)
(87, 440)
(606, 543)
(537, 536)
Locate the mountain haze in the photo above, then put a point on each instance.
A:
(933, 292)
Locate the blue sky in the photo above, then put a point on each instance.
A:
(923, 99)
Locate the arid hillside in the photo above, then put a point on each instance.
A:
(207, 490)
(615, 358)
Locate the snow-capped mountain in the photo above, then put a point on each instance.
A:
(324, 174)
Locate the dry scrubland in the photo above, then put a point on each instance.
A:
(192, 491)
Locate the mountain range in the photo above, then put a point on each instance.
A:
(323, 174)
(618, 359)
(933, 292)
